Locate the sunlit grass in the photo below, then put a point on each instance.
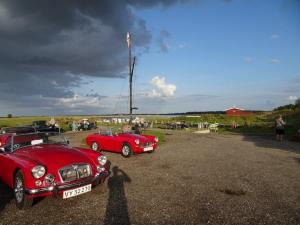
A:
(156, 133)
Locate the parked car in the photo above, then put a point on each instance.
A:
(43, 164)
(42, 126)
(17, 130)
(125, 143)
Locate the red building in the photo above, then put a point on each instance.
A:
(236, 112)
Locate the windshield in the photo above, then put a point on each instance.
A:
(108, 131)
(24, 140)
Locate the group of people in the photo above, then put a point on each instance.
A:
(83, 124)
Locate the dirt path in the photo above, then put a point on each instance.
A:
(191, 179)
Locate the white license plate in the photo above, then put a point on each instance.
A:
(148, 149)
(77, 191)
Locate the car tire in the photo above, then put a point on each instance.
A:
(95, 146)
(126, 150)
(21, 198)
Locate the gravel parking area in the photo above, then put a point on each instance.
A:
(191, 179)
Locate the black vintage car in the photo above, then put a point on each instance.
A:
(41, 126)
(17, 130)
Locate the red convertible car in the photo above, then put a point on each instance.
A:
(124, 143)
(43, 164)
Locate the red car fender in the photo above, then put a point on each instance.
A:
(89, 139)
(151, 137)
(23, 164)
(91, 154)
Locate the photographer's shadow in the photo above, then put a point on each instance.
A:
(117, 209)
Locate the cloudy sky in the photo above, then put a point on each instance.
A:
(70, 57)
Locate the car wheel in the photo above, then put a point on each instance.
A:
(21, 198)
(126, 150)
(95, 146)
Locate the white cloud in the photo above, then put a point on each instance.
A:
(274, 36)
(292, 98)
(78, 101)
(162, 88)
(154, 93)
(275, 61)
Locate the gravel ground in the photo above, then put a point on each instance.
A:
(191, 179)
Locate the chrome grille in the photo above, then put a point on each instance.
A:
(74, 172)
(146, 144)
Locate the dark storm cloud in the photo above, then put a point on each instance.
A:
(47, 47)
(81, 37)
(162, 40)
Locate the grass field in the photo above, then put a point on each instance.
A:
(257, 123)
(63, 121)
(156, 133)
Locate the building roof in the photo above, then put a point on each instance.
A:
(234, 108)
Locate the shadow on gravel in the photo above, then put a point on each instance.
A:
(270, 142)
(6, 196)
(117, 209)
(232, 192)
(297, 160)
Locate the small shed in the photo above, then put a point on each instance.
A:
(237, 112)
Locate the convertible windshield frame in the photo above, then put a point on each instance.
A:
(19, 141)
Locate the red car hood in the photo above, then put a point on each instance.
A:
(136, 136)
(53, 156)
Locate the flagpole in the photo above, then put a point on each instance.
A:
(130, 76)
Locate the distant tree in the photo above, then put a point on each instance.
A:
(289, 106)
(9, 115)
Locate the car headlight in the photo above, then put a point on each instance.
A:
(49, 178)
(156, 139)
(38, 171)
(102, 160)
(137, 141)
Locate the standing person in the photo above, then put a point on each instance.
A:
(52, 122)
(279, 126)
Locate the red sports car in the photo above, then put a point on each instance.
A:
(43, 164)
(124, 143)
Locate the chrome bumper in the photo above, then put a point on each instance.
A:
(55, 189)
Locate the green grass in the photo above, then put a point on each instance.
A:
(63, 121)
(161, 136)
(257, 123)
(19, 121)
(266, 125)
(83, 144)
